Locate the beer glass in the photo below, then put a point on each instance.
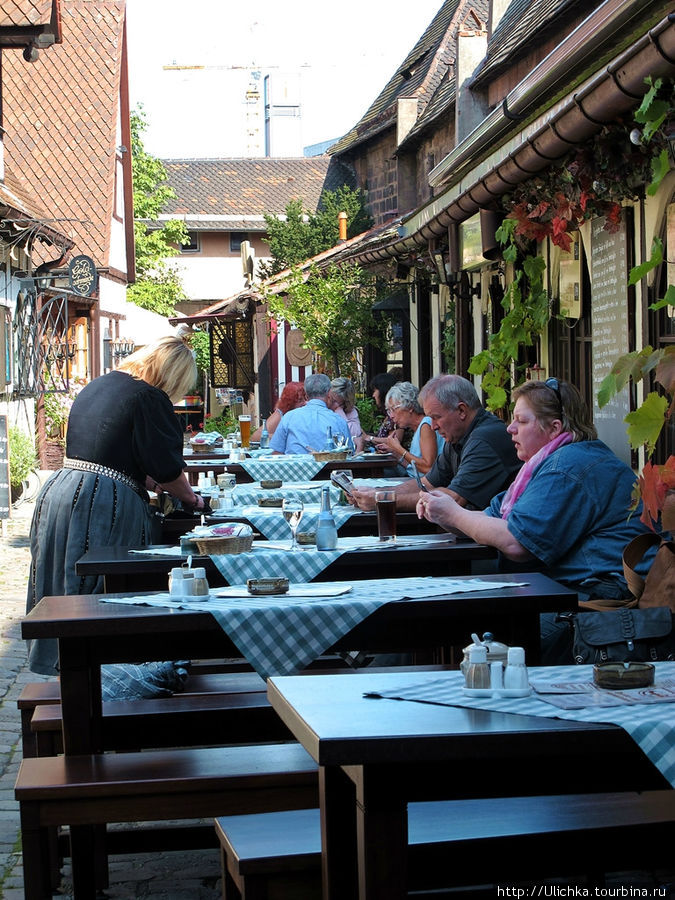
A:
(385, 505)
(245, 429)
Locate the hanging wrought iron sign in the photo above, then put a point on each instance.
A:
(231, 343)
(82, 276)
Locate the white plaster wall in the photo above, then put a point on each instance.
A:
(118, 249)
(210, 278)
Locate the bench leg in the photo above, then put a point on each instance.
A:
(35, 849)
(83, 858)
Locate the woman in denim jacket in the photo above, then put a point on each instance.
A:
(567, 512)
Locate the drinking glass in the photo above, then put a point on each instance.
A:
(340, 441)
(292, 510)
(245, 429)
(385, 504)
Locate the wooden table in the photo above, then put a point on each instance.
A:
(370, 466)
(375, 756)
(91, 633)
(124, 571)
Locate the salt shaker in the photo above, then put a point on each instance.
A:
(477, 675)
(515, 674)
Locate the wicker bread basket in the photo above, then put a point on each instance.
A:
(330, 455)
(220, 544)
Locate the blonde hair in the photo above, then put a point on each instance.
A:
(344, 388)
(167, 364)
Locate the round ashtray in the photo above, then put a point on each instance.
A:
(306, 537)
(619, 676)
(271, 501)
(259, 586)
(271, 484)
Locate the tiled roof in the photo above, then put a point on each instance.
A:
(22, 207)
(439, 104)
(229, 223)
(60, 116)
(525, 24)
(245, 187)
(419, 75)
(19, 13)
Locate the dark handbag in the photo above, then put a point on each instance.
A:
(622, 635)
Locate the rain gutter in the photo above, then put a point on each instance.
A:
(599, 100)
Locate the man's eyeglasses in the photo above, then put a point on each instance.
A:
(555, 387)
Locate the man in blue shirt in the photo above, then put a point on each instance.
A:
(305, 429)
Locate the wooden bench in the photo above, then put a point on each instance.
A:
(38, 694)
(153, 786)
(461, 843)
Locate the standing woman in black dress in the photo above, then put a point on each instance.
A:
(123, 438)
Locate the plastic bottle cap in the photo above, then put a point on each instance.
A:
(478, 655)
(516, 656)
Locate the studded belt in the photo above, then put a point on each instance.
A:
(86, 466)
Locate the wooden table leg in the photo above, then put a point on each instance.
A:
(338, 834)
(382, 838)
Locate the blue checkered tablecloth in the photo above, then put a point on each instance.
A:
(301, 467)
(651, 725)
(307, 491)
(271, 523)
(281, 635)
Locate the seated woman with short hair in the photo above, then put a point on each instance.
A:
(406, 411)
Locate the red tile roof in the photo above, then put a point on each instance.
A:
(19, 13)
(60, 116)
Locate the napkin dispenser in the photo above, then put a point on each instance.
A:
(496, 651)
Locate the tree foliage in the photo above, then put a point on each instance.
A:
(158, 287)
(302, 235)
(334, 309)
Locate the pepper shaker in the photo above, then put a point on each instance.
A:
(477, 674)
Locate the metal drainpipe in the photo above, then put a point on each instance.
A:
(611, 92)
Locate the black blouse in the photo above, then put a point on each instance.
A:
(127, 425)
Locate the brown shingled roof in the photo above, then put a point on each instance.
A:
(420, 74)
(60, 116)
(247, 187)
(525, 24)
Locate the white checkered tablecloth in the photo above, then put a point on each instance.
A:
(302, 467)
(651, 725)
(281, 635)
(271, 523)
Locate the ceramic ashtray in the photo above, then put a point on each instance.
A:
(271, 483)
(260, 586)
(623, 675)
(306, 537)
(270, 501)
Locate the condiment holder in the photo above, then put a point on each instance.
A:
(188, 582)
(495, 651)
(488, 678)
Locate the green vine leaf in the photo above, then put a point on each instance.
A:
(639, 272)
(668, 300)
(645, 423)
(660, 167)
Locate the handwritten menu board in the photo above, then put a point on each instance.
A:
(609, 319)
(5, 504)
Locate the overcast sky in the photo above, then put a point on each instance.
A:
(344, 53)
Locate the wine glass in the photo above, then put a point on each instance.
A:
(292, 510)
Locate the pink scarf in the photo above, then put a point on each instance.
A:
(522, 479)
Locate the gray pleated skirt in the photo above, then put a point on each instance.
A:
(77, 511)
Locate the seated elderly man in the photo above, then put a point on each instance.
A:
(478, 457)
(305, 429)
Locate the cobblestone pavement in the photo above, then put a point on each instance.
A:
(169, 876)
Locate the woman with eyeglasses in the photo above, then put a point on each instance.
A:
(566, 511)
(406, 412)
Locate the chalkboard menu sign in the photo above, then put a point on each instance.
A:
(5, 505)
(609, 320)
